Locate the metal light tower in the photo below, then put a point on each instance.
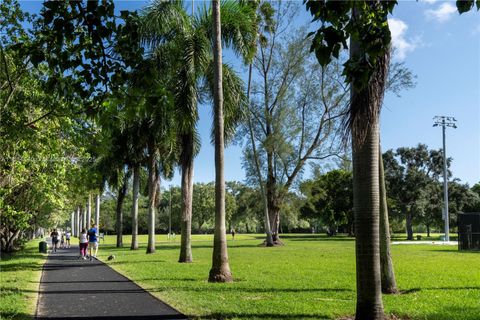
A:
(445, 122)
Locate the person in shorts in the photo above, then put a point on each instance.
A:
(67, 238)
(93, 241)
(54, 236)
(83, 238)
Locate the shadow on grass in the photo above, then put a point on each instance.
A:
(224, 316)
(310, 237)
(16, 316)
(451, 312)
(251, 290)
(12, 267)
(145, 317)
(454, 249)
(414, 290)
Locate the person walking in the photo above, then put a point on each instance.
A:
(67, 238)
(83, 244)
(93, 241)
(54, 236)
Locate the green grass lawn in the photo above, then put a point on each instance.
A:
(19, 280)
(311, 277)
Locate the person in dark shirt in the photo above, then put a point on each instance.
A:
(93, 241)
(54, 236)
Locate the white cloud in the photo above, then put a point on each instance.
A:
(443, 13)
(402, 45)
(429, 1)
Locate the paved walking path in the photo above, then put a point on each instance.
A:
(80, 289)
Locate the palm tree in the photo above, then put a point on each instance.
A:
(364, 123)
(389, 284)
(220, 271)
(182, 43)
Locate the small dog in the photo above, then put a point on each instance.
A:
(111, 257)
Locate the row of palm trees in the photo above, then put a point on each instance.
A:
(149, 127)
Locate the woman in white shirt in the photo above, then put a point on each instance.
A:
(83, 244)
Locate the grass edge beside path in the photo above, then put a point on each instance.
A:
(20, 275)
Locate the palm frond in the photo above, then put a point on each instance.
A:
(239, 27)
(234, 100)
(162, 20)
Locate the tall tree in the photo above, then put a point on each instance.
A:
(220, 271)
(365, 24)
(184, 42)
(408, 171)
(283, 110)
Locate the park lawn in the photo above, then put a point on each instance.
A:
(19, 280)
(311, 277)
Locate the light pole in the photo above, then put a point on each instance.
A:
(445, 122)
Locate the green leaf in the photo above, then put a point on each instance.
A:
(464, 5)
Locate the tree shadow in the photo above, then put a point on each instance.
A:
(252, 290)
(12, 267)
(414, 290)
(104, 317)
(454, 249)
(242, 315)
(448, 312)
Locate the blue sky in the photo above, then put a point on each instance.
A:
(441, 48)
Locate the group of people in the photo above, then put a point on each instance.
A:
(87, 240)
(61, 239)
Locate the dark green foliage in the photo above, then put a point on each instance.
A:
(329, 198)
(369, 28)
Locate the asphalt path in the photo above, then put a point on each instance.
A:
(72, 288)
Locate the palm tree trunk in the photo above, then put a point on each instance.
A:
(97, 210)
(389, 284)
(89, 211)
(122, 192)
(365, 107)
(136, 187)
(152, 188)
(367, 212)
(268, 230)
(77, 222)
(220, 271)
(187, 197)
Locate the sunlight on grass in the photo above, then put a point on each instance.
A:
(311, 277)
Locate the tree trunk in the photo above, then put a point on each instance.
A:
(220, 271)
(187, 196)
(77, 222)
(408, 216)
(389, 284)
(122, 192)
(89, 211)
(152, 188)
(366, 207)
(84, 218)
(365, 107)
(97, 211)
(268, 230)
(273, 207)
(428, 230)
(72, 222)
(136, 187)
